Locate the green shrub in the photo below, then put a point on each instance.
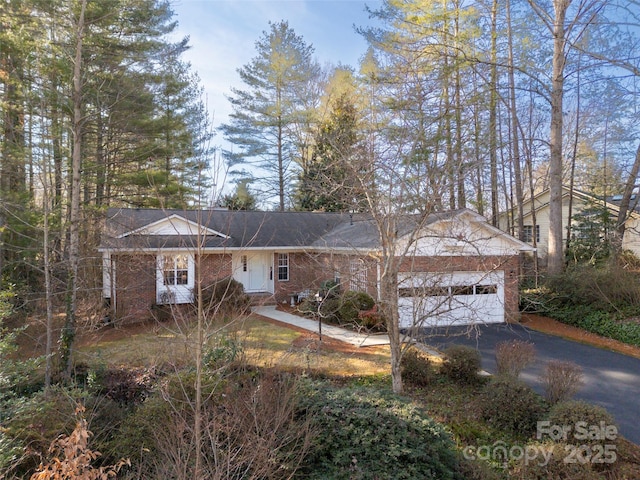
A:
(309, 307)
(36, 422)
(329, 289)
(136, 437)
(596, 299)
(39, 420)
(461, 364)
(371, 434)
(10, 452)
(416, 368)
(352, 303)
(611, 325)
(104, 417)
(329, 310)
(583, 415)
(226, 296)
(514, 356)
(607, 288)
(224, 351)
(509, 404)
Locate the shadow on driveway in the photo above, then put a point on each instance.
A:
(611, 380)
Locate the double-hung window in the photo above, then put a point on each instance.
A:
(527, 233)
(283, 267)
(175, 278)
(175, 269)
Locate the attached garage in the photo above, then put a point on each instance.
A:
(459, 271)
(429, 299)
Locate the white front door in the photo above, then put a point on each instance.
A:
(253, 270)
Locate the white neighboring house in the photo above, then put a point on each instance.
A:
(538, 234)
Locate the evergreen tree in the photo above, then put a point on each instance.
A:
(270, 113)
(327, 184)
(592, 232)
(242, 198)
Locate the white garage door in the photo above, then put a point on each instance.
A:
(449, 299)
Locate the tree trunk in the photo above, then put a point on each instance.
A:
(200, 336)
(389, 300)
(626, 197)
(460, 167)
(515, 128)
(69, 330)
(493, 115)
(388, 288)
(48, 370)
(555, 252)
(280, 168)
(576, 138)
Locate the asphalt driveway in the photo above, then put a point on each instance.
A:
(611, 380)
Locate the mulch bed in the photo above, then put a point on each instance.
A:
(553, 327)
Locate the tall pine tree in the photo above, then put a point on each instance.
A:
(268, 114)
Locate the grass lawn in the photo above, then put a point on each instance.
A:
(262, 343)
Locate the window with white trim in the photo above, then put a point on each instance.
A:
(175, 269)
(283, 267)
(175, 278)
(357, 275)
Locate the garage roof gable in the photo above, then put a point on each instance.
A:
(463, 233)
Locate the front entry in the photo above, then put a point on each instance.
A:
(254, 271)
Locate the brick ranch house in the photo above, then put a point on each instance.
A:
(456, 268)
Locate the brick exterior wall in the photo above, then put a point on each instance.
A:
(307, 271)
(135, 287)
(214, 267)
(136, 282)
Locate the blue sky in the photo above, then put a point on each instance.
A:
(223, 35)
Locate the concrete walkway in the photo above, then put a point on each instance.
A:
(331, 331)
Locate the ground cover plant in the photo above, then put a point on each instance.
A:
(603, 299)
(368, 434)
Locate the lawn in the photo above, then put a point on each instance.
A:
(261, 342)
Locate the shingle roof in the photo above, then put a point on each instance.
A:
(244, 228)
(252, 229)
